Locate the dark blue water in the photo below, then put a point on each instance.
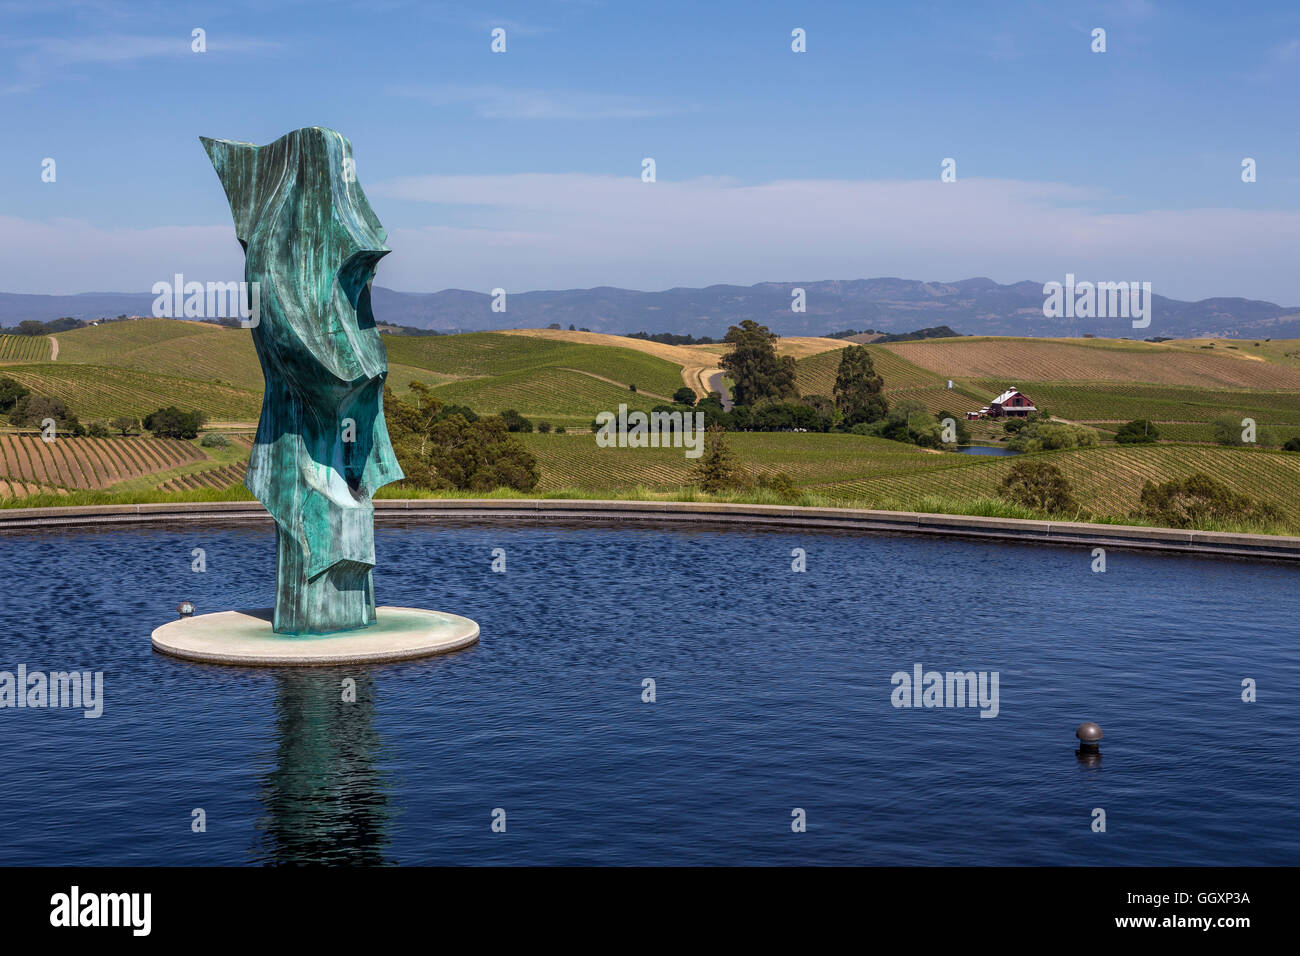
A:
(773, 692)
(986, 450)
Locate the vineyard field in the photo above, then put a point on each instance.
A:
(220, 477)
(1021, 361)
(1159, 403)
(491, 354)
(90, 463)
(18, 349)
(556, 395)
(1106, 479)
(576, 461)
(99, 392)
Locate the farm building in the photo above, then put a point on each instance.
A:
(1010, 404)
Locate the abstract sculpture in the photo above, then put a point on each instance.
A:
(311, 243)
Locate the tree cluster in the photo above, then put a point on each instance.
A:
(440, 447)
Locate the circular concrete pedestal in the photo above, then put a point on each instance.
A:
(246, 637)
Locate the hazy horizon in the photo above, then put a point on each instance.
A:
(523, 169)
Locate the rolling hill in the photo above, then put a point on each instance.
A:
(564, 378)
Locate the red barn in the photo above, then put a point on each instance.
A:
(1011, 404)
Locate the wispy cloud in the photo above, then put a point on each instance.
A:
(46, 57)
(1286, 52)
(500, 102)
(512, 27)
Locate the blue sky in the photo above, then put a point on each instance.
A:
(522, 169)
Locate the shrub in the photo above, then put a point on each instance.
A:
(515, 422)
(214, 440)
(97, 430)
(559, 430)
(1137, 432)
(779, 483)
(1292, 444)
(1039, 485)
(544, 427)
(1198, 498)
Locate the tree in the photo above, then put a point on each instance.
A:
(1292, 444)
(962, 432)
(908, 421)
(1229, 430)
(34, 409)
(171, 422)
(1039, 485)
(784, 417)
(1137, 432)
(858, 389)
(10, 392)
(480, 456)
(753, 366)
(124, 424)
(97, 430)
(1043, 435)
(684, 396)
(717, 469)
(828, 415)
(442, 450)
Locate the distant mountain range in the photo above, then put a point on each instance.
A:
(972, 306)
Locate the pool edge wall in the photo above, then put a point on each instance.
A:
(1213, 543)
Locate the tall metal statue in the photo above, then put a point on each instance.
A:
(311, 243)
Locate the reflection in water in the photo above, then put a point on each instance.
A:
(1088, 757)
(326, 799)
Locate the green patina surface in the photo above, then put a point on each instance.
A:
(311, 243)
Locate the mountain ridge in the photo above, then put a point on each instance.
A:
(975, 306)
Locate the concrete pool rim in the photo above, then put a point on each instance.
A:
(1022, 530)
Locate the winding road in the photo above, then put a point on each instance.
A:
(715, 385)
